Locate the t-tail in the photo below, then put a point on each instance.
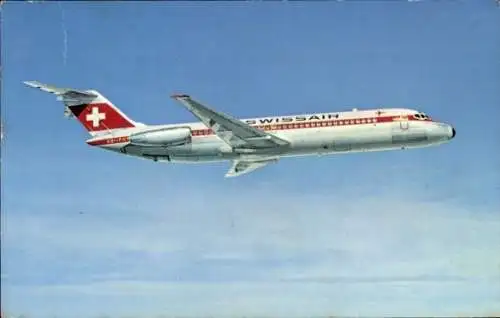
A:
(96, 113)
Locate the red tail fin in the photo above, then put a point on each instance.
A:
(100, 114)
(93, 110)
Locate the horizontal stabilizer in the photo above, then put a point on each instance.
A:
(66, 92)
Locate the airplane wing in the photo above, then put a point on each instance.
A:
(240, 167)
(233, 131)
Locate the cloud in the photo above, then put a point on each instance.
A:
(146, 299)
(255, 251)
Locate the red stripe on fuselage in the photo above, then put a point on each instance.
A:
(320, 123)
(108, 141)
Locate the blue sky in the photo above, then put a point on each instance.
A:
(395, 233)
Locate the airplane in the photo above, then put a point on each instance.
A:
(249, 143)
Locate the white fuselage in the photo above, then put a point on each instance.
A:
(309, 134)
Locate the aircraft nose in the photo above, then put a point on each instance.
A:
(453, 132)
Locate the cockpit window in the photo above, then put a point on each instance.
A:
(421, 116)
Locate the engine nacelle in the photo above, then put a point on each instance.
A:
(162, 137)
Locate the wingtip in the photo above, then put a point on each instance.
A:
(179, 96)
(31, 83)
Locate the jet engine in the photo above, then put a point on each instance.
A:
(162, 137)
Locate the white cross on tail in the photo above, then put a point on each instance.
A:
(95, 117)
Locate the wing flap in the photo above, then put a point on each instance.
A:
(233, 131)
